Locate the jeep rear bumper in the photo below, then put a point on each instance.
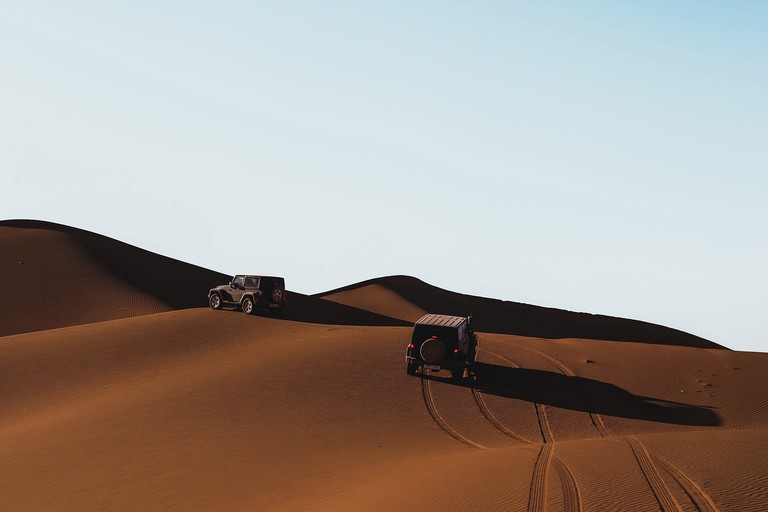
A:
(443, 365)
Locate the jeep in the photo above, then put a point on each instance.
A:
(248, 293)
(442, 342)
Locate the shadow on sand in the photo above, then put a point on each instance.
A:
(581, 394)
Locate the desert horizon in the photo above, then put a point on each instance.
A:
(122, 390)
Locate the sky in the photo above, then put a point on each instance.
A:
(598, 156)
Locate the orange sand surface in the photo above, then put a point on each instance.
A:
(145, 403)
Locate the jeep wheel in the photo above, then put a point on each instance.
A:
(277, 295)
(248, 306)
(214, 301)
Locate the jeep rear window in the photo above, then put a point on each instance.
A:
(270, 283)
(444, 334)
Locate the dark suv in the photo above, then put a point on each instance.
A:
(442, 342)
(249, 293)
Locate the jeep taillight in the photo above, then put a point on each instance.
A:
(455, 351)
(411, 346)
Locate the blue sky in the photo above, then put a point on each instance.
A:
(607, 157)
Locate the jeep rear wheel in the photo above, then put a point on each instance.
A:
(248, 306)
(214, 301)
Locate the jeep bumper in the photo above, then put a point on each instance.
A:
(443, 365)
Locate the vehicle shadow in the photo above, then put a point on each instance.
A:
(580, 394)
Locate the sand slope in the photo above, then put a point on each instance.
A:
(215, 410)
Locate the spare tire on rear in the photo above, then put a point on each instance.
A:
(432, 351)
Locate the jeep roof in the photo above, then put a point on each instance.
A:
(441, 320)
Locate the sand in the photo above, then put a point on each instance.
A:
(166, 407)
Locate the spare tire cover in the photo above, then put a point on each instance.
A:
(432, 351)
(277, 294)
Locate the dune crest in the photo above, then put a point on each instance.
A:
(379, 299)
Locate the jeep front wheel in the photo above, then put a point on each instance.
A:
(214, 301)
(248, 306)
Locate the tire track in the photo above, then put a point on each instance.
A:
(478, 396)
(699, 498)
(538, 493)
(541, 413)
(597, 420)
(571, 496)
(546, 431)
(432, 409)
(661, 492)
(697, 495)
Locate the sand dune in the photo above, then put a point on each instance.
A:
(209, 410)
(169, 407)
(404, 295)
(56, 276)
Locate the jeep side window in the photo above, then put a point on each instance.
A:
(463, 336)
(251, 282)
(238, 281)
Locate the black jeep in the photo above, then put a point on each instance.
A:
(442, 342)
(249, 293)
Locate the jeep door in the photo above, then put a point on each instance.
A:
(237, 288)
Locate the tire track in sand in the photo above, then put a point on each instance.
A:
(426, 390)
(700, 499)
(478, 396)
(537, 496)
(541, 413)
(571, 496)
(538, 493)
(597, 420)
(663, 495)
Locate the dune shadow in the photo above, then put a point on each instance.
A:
(506, 317)
(583, 394)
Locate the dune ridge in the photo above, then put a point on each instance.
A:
(505, 317)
